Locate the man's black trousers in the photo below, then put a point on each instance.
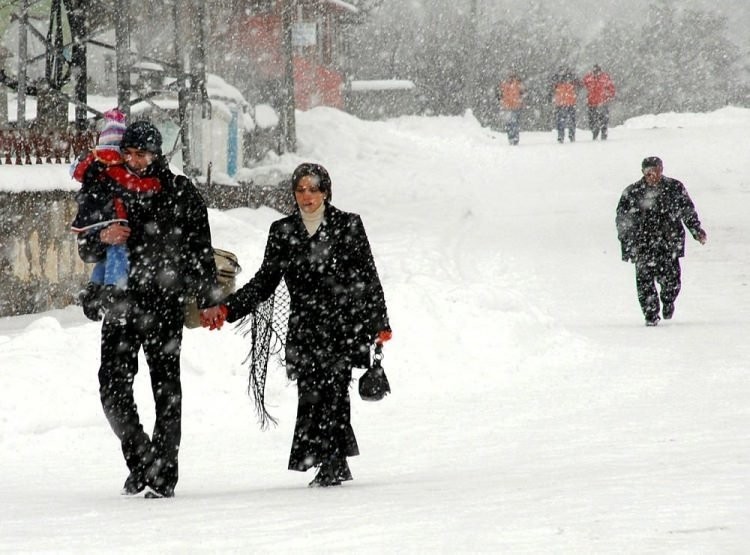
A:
(158, 330)
(662, 271)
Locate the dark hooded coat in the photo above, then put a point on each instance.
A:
(650, 220)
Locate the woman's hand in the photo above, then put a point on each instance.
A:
(383, 336)
(214, 317)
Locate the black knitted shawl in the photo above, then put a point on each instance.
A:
(267, 326)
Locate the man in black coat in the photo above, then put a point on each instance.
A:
(168, 241)
(650, 218)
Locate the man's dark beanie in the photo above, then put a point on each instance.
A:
(143, 136)
(651, 162)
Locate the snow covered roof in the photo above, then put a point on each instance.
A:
(219, 89)
(382, 85)
(266, 116)
(343, 5)
(151, 66)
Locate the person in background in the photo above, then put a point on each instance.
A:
(510, 94)
(564, 94)
(337, 311)
(600, 91)
(650, 218)
(169, 245)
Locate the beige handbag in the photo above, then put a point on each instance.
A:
(227, 268)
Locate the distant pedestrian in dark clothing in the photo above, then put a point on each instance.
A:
(650, 218)
(600, 92)
(169, 244)
(510, 94)
(564, 93)
(337, 312)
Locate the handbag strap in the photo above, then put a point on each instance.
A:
(377, 356)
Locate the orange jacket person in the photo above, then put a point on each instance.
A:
(510, 94)
(600, 92)
(565, 96)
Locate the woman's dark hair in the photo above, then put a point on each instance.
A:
(314, 170)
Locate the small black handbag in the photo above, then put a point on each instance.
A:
(373, 385)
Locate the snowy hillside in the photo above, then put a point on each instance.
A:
(532, 411)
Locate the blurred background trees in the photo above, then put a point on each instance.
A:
(670, 59)
(666, 57)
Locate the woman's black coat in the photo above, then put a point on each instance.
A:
(337, 301)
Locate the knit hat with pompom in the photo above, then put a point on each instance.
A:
(114, 127)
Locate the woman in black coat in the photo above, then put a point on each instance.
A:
(337, 311)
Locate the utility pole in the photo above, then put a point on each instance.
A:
(23, 55)
(198, 86)
(470, 88)
(79, 32)
(122, 54)
(4, 55)
(288, 124)
(183, 100)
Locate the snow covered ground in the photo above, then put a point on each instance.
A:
(532, 411)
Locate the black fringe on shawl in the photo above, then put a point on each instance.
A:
(267, 326)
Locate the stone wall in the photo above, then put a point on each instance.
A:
(39, 264)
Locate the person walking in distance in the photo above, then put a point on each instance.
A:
(650, 217)
(600, 91)
(510, 93)
(564, 94)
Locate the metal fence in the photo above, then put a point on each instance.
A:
(29, 146)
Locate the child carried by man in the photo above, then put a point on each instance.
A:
(109, 278)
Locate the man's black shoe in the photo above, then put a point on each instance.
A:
(134, 484)
(158, 486)
(667, 310)
(651, 322)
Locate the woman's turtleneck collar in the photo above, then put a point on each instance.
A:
(313, 220)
